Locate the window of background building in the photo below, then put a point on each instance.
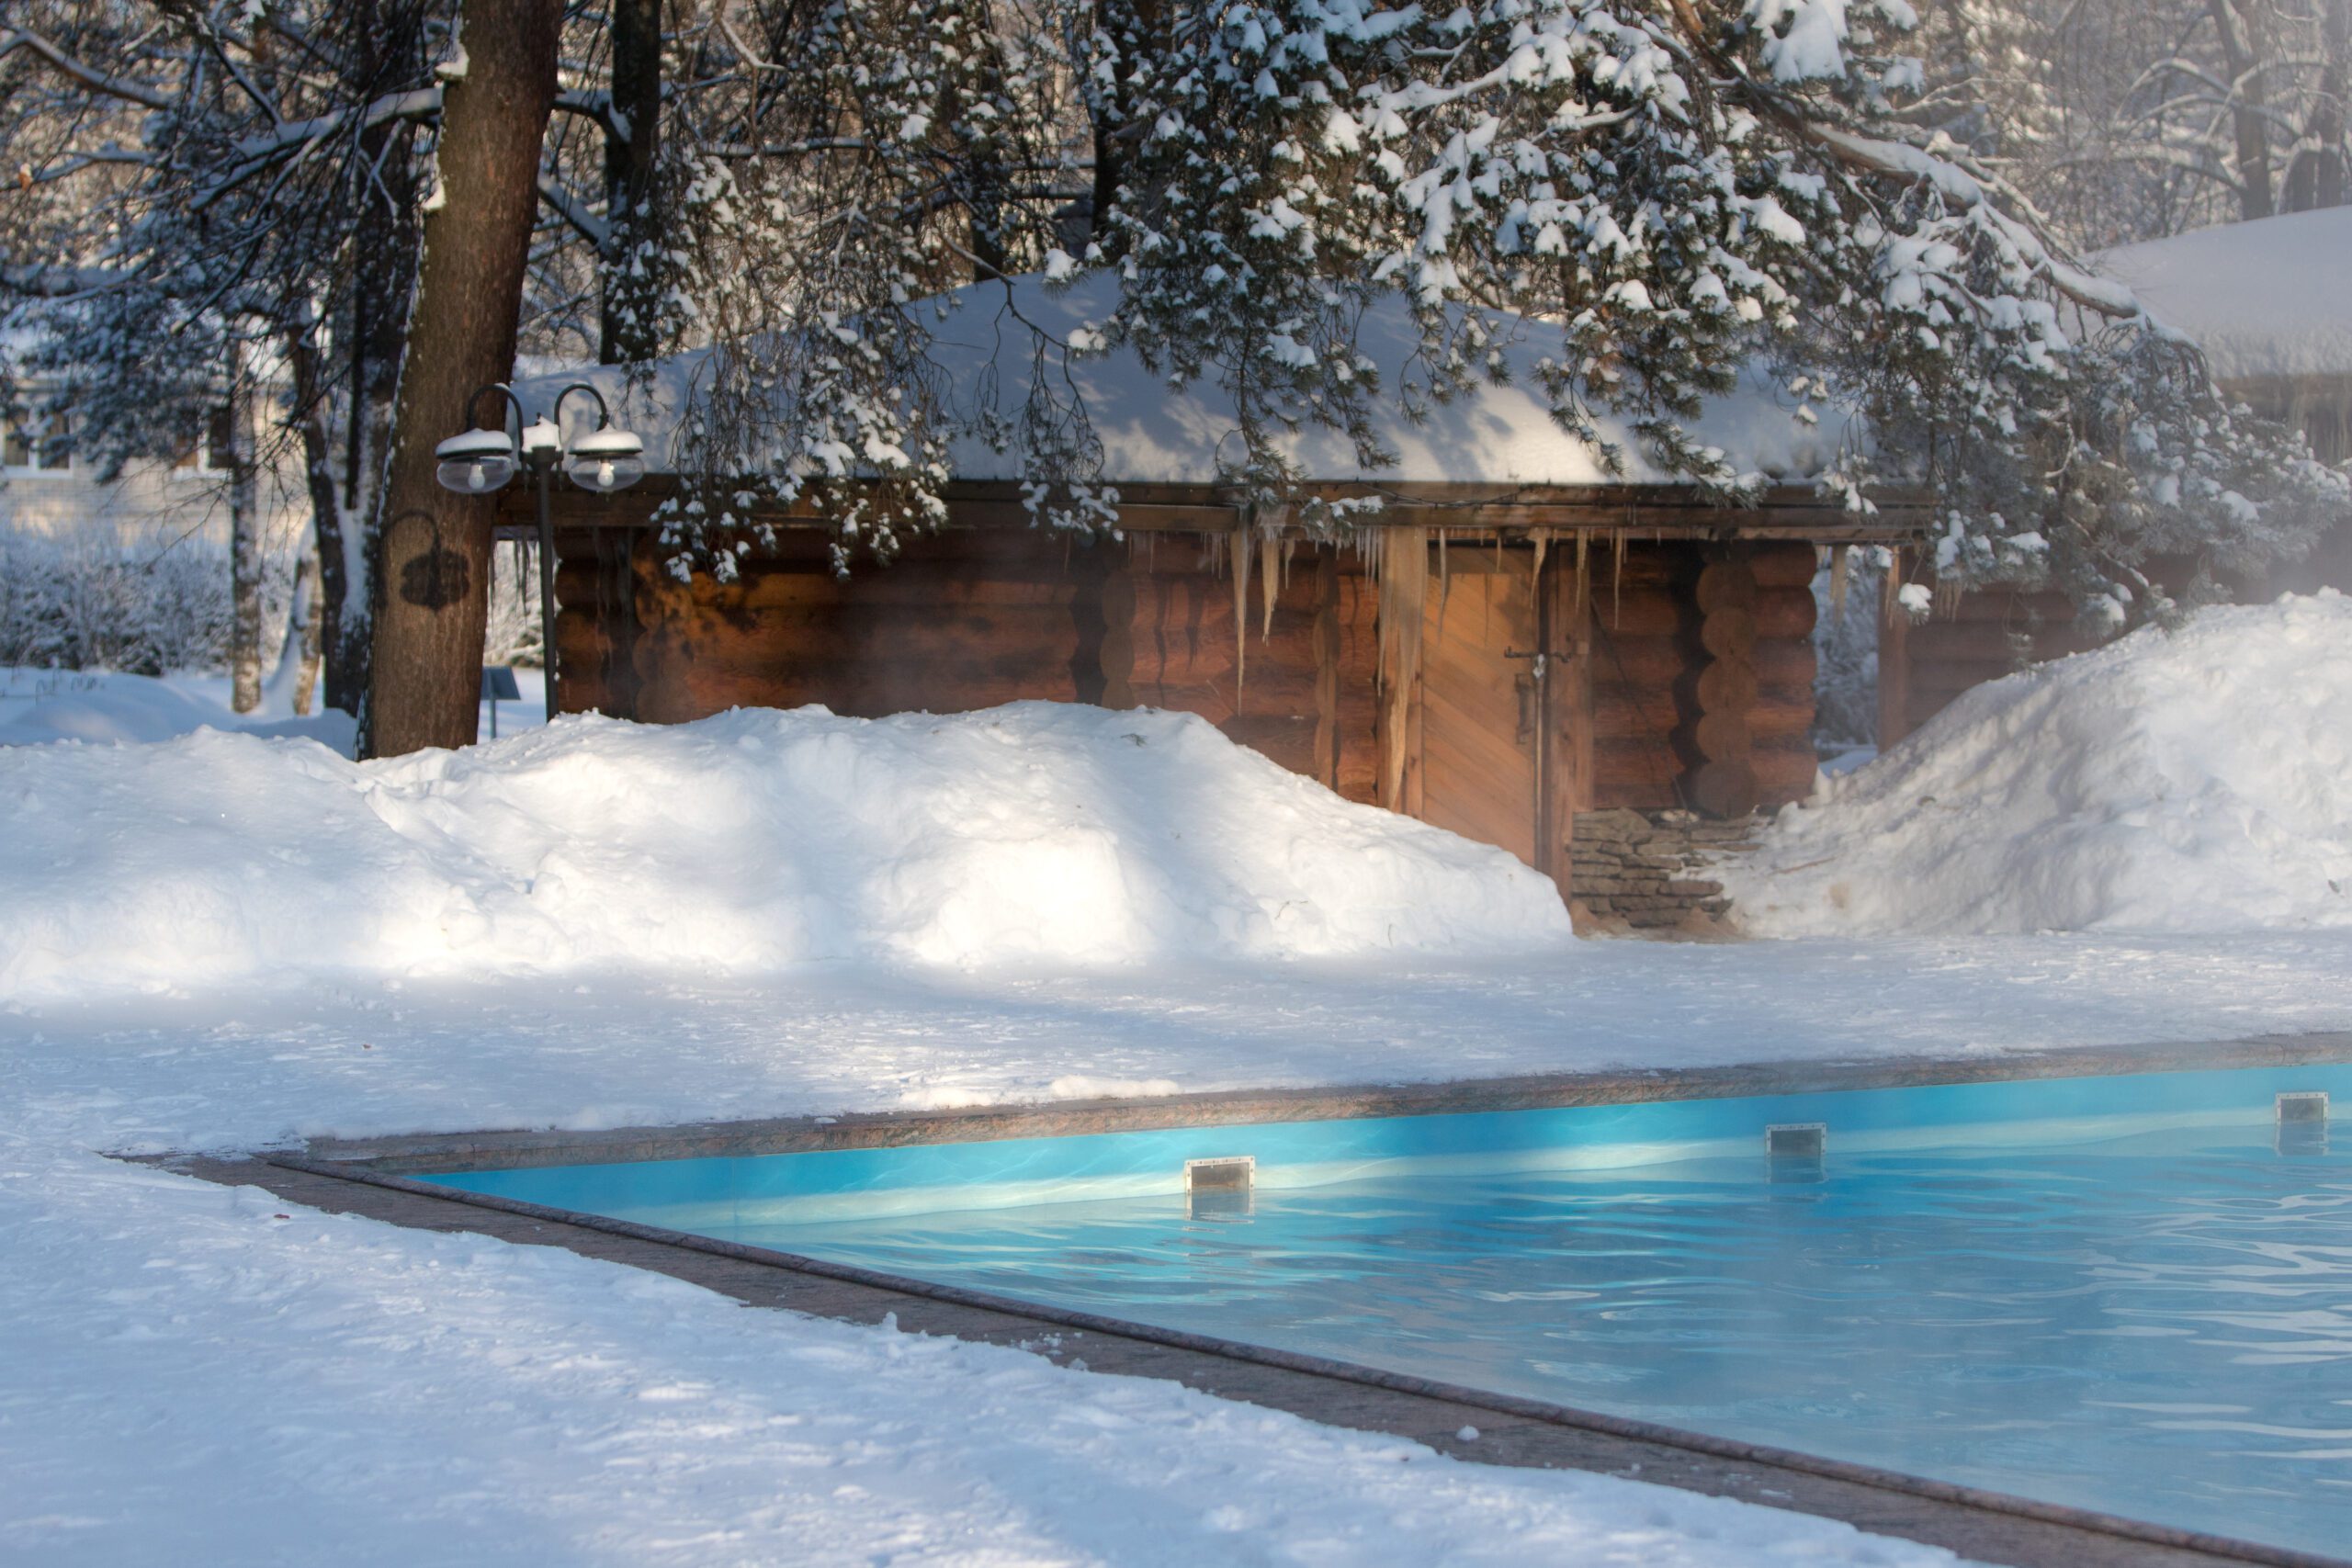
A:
(208, 453)
(37, 442)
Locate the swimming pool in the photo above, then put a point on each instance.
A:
(2127, 1294)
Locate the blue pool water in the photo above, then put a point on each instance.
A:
(2125, 1293)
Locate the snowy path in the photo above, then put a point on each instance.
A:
(190, 1378)
(176, 1071)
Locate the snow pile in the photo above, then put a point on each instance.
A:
(2197, 781)
(1033, 834)
(985, 355)
(2263, 298)
(41, 705)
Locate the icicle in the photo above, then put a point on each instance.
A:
(1542, 537)
(1617, 580)
(1584, 577)
(1839, 568)
(1240, 556)
(1444, 582)
(1271, 578)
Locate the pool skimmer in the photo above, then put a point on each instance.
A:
(1222, 1188)
(1793, 1150)
(2302, 1121)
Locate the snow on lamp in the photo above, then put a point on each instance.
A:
(476, 463)
(605, 460)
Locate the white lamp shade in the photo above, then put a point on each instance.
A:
(605, 460)
(476, 463)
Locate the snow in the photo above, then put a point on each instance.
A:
(184, 966)
(204, 1375)
(750, 842)
(103, 706)
(1151, 434)
(2263, 298)
(248, 941)
(2192, 781)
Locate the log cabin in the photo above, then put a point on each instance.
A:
(2268, 302)
(1519, 645)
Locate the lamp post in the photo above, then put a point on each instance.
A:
(482, 459)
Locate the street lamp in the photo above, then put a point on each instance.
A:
(482, 459)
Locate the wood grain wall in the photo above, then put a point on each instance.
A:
(972, 618)
(1647, 660)
(1967, 640)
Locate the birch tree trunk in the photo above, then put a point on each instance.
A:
(297, 675)
(245, 543)
(432, 593)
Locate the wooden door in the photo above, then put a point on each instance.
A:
(1482, 699)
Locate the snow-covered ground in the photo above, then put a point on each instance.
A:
(2189, 779)
(194, 1374)
(99, 705)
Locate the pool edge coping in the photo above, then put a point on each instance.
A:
(524, 1148)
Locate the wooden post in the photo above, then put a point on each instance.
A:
(617, 616)
(1118, 625)
(1404, 591)
(1569, 772)
(1327, 666)
(1893, 664)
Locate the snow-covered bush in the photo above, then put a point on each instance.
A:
(81, 606)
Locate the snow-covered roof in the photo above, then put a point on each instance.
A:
(2268, 298)
(1153, 433)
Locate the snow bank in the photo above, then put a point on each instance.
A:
(1036, 834)
(2198, 781)
(2263, 298)
(984, 357)
(41, 705)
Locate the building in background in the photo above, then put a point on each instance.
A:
(2270, 303)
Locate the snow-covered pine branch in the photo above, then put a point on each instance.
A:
(1670, 189)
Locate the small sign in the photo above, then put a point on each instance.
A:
(498, 684)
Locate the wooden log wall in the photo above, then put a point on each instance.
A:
(1650, 657)
(972, 618)
(596, 625)
(961, 621)
(1274, 690)
(1967, 640)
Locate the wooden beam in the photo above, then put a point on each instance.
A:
(1894, 666)
(1568, 773)
(1327, 666)
(1119, 628)
(1403, 583)
(1663, 511)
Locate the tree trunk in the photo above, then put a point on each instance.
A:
(245, 543)
(626, 330)
(297, 675)
(2242, 58)
(433, 592)
(2316, 178)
